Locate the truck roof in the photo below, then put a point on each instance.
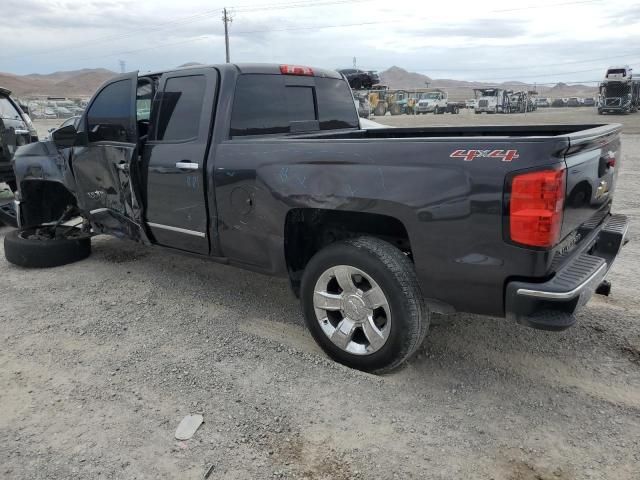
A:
(261, 68)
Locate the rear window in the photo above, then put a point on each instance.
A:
(265, 104)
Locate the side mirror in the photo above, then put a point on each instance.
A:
(64, 137)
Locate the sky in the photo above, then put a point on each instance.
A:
(539, 41)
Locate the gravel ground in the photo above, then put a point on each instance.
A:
(100, 360)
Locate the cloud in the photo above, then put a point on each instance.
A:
(462, 41)
(482, 28)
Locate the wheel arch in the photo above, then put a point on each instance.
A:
(308, 230)
(43, 201)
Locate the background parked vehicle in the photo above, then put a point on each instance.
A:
(492, 100)
(619, 97)
(543, 102)
(359, 79)
(436, 101)
(559, 102)
(589, 102)
(622, 73)
(16, 130)
(573, 102)
(518, 102)
(362, 103)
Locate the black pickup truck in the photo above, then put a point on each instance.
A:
(266, 167)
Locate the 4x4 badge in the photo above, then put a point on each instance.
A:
(468, 155)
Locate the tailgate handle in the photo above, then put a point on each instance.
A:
(185, 165)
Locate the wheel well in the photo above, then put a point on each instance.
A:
(308, 230)
(43, 201)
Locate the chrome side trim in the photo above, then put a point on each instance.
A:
(178, 230)
(563, 295)
(98, 210)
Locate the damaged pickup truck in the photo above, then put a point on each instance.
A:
(266, 167)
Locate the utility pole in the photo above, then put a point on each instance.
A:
(123, 66)
(354, 62)
(226, 18)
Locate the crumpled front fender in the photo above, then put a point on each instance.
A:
(45, 181)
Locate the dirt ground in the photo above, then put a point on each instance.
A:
(100, 360)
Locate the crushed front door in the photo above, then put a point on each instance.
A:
(106, 165)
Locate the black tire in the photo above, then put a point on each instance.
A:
(395, 274)
(23, 249)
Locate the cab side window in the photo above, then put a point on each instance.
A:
(110, 115)
(181, 108)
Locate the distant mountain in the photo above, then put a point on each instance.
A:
(396, 77)
(399, 78)
(59, 84)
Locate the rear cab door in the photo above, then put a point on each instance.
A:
(105, 160)
(175, 159)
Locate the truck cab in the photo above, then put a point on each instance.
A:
(492, 100)
(432, 102)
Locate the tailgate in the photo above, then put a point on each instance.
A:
(593, 160)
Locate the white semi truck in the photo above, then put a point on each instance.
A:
(492, 100)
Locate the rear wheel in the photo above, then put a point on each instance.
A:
(363, 305)
(43, 247)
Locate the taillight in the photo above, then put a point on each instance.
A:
(536, 205)
(296, 70)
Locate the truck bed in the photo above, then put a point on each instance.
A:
(509, 131)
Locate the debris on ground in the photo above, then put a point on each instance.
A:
(188, 426)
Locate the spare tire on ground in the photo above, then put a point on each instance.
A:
(40, 247)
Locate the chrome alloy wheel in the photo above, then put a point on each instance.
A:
(352, 310)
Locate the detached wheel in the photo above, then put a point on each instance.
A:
(363, 305)
(40, 247)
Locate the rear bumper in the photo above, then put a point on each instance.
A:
(552, 305)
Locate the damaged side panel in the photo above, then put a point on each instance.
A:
(47, 184)
(105, 176)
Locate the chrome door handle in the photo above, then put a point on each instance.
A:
(187, 165)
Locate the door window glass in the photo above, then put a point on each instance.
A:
(143, 100)
(110, 115)
(259, 106)
(181, 108)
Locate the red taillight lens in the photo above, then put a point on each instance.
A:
(296, 70)
(535, 211)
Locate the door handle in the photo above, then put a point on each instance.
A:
(122, 166)
(184, 165)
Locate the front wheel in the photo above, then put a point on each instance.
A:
(44, 247)
(363, 305)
